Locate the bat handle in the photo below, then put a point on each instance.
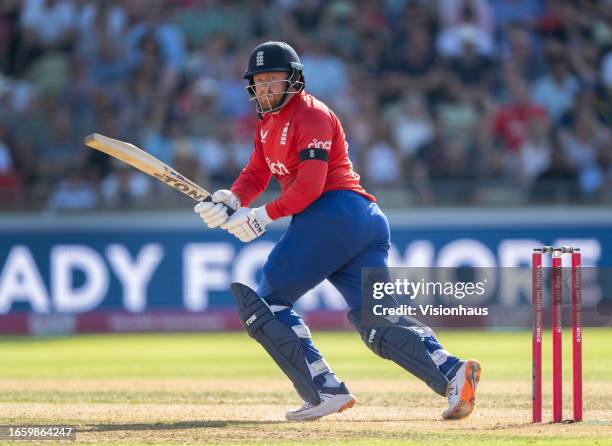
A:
(230, 211)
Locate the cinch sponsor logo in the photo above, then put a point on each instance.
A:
(277, 168)
(316, 144)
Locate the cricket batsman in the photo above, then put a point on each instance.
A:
(336, 229)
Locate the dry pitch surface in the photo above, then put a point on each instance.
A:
(222, 389)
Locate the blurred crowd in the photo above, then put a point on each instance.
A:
(443, 102)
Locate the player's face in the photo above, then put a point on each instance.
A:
(270, 88)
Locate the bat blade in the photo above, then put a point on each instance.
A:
(147, 163)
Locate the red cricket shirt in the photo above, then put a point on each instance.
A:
(510, 123)
(304, 147)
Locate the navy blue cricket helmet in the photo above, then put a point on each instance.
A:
(270, 57)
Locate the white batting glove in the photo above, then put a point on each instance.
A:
(214, 213)
(247, 224)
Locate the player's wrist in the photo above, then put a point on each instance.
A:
(262, 215)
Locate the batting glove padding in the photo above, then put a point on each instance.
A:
(247, 224)
(214, 213)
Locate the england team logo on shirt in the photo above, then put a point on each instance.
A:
(263, 135)
(283, 139)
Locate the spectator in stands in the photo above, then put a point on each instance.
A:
(457, 114)
(326, 73)
(556, 91)
(212, 59)
(382, 161)
(411, 125)
(504, 82)
(603, 92)
(9, 35)
(511, 12)
(124, 187)
(340, 26)
(556, 184)
(521, 53)
(158, 38)
(60, 152)
(456, 12)
(582, 144)
(73, 193)
(412, 65)
(10, 183)
(45, 25)
(107, 65)
(203, 21)
(5, 98)
(535, 151)
(471, 72)
(452, 163)
(510, 120)
(606, 70)
(305, 18)
(101, 22)
(203, 119)
(465, 19)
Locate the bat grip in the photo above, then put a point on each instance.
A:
(230, 211)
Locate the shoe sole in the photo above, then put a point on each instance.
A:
(466, 404)
(315, 416)
(347, 405)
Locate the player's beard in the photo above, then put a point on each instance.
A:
(269, 102)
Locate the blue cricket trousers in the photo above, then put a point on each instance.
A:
(333, 238)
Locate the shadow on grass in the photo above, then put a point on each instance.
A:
(180, 425)
(199, 424)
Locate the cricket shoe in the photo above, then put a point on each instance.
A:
(333, 399)
(461, 391)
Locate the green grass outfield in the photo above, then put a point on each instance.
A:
(222, 389)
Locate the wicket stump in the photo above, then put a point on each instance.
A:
(557, 331)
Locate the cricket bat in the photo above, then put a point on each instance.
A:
(147, 163)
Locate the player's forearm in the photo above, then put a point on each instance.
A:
(249, 185)
(307, 187)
